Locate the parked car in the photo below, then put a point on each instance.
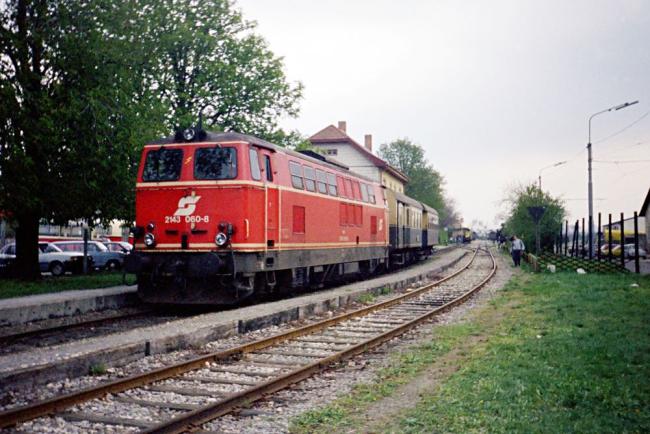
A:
(118, 246)
(629, 252)
(102, 257)
(50, 259)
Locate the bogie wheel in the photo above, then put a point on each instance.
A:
(56, 268)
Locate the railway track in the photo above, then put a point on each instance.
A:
(187, 395)
(14, 334)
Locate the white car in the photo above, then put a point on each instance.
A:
(629, 252)
(50, 259)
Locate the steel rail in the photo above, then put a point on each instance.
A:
(8, 338)
(53, 405)
(194, 419)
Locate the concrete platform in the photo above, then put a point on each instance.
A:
(74, 359)
(21, 310)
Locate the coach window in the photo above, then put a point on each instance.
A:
(255, 165)
(267, 168)
(163, 165)
(321, 179)
(331, 184)
(310, 178)
(364, 192)
(296, 174)
(215, 163)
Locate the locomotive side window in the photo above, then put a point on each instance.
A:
(163, 165)
(357, 190)
(256, 174)
(215, 163)
(296, 175)
(341, 186)
(321, 181)
(310, 178)
(371, 194)
(267, 168)
(331, 184)
(364, 192)
(348, 188)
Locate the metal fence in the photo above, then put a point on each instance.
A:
(576, 241)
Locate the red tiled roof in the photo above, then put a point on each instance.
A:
(331, 134)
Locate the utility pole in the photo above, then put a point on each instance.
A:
(590, 187)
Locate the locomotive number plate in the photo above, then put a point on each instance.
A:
(188, 219)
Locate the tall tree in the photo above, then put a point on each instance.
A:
(70, 119)
(206, 57)
(520, 223)
(425, 183)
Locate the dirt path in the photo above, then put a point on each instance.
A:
(381, 414)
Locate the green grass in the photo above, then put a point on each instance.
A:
(564, 353)
(18, 288)
(575, 357)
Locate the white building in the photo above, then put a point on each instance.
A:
(335, 143)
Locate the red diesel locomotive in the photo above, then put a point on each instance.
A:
(223, 216)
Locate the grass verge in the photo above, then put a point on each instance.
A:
(569, 353)
(18, 288)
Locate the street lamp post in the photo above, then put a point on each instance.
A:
(539, 178)
(590, 185)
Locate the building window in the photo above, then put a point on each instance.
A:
(298, 219)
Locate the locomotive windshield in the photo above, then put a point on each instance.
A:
(215, 163)
(163, 165)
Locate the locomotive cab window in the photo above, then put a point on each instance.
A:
(215, 163)
(256, 174)
(163, 165)
(296, 175)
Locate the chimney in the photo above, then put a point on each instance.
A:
(342, 126)
(368, 142)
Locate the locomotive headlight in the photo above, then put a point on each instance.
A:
(151, 226)
(149, 240)
(221, 239)
(189, 134)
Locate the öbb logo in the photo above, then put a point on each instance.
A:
(187, 205)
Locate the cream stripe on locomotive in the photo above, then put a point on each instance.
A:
(288, 246)
(261, 185)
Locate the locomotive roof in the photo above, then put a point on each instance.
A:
(232, 136)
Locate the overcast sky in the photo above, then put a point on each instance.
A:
(493, 91)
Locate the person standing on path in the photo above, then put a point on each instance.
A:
(516, 248)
